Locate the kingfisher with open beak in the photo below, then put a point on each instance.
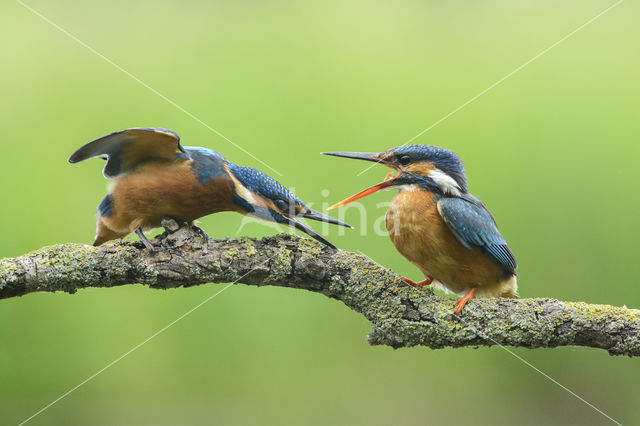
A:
(155, 177)
(438, 226)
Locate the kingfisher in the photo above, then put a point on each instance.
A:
(441, 228)
(155, 177)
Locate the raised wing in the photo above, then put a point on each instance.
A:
(126, 149)
(474, 227)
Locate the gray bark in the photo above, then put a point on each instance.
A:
(399, 314)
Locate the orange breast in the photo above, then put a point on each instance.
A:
(421, 235)
(161, 189)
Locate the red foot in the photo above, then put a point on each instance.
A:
(463, 300)
(419, 284)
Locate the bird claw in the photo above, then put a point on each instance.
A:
(460, 304)
(423, 283)
(172, 224)
(201, 232)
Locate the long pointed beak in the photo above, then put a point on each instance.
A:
(366, 156)
(321, 217)
(304, 228)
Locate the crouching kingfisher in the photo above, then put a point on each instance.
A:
(438, 226)
(155, 177)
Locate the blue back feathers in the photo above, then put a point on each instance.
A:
(474, 227)
(106, 206)
(207, 164)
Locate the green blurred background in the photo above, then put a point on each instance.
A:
(553, 151)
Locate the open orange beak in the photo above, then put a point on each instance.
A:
(374, 157)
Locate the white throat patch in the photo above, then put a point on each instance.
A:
(447, 184)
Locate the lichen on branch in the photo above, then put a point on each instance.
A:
(399, 314)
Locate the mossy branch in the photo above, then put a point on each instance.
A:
(400, 315)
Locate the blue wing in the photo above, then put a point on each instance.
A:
(475, 228)
(126, 149)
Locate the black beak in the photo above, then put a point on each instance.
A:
(293, 222)
(321, 217)
(366, 156)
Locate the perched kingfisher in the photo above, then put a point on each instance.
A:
(438, 226)
(155, 177)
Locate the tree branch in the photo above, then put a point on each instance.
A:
(400, 315)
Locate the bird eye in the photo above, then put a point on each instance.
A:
(404, 160)
(281, 204)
